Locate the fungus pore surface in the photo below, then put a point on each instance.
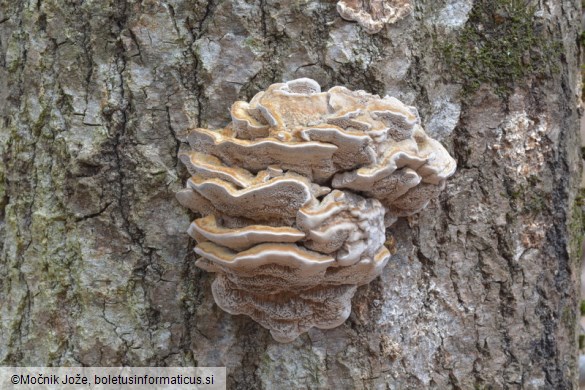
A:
(372, 15)
(295, 195)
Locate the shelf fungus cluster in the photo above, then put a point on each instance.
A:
(372, 15)
(295, 195)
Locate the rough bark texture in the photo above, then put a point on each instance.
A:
(96, 267)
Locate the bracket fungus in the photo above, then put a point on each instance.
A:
(372, 15)
(295, 195)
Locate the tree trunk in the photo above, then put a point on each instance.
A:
(96, 267)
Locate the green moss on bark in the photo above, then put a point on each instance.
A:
(500, 45)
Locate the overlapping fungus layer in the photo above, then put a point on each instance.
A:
(295, 194)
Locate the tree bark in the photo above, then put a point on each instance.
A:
(96, 268)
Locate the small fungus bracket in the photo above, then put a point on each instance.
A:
(372, 15)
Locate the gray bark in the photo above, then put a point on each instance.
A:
(95, 265)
